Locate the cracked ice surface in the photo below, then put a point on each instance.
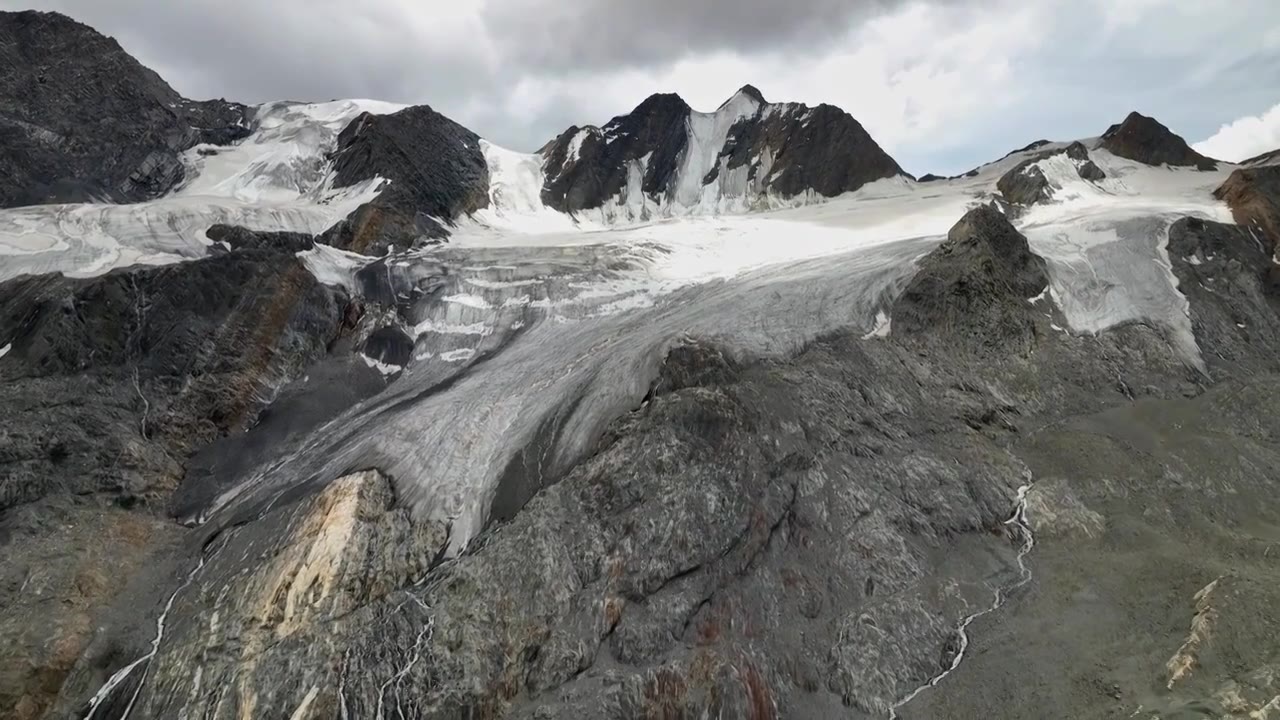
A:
(556, 335)
(554, 332)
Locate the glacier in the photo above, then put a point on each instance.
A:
(543, 322)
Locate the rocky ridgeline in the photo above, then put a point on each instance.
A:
(787, 150)
(81, 120)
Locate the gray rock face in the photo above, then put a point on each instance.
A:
(788, 149)
(1025, 184)
(599, 172)
(976, 284)
(1091, 172)
(80, 119)
(195, 347)
(109, 385)
(436, 169)
(1144, 139)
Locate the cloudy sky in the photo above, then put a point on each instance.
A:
(943, 85)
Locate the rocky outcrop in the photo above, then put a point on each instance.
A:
(1144, 139)
(1026, 184)
(664, 155)
(1234, 288)
(587, 167)
(1253, 194)
(234, 237)
(975, 285)
(436, 170)
(1271, 157)
(109, 385)
(187, 352)
(80, 119)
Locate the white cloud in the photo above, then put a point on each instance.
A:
(1244, 138)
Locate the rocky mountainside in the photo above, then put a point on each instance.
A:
(409, 425)
(80, 119)
(1144, 139)
(665, 154)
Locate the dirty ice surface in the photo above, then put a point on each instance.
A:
(538, 335)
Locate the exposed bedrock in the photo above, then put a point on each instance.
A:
(1026, 184)
(436, 170)
(794, 537)
(109, 385)
(975, 285)
(1254, 197)
(747, 149)
(80, 119)
(1146, 140)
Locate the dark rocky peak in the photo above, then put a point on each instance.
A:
(749, 91)
(783, 150)
(974, 287)
(1146, 140)
(436, 169)
(587, 166)
(80, 119)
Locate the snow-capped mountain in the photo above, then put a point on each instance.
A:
(337, 409)
(665, 159)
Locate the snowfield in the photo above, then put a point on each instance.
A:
(546, 322)
(277, 179)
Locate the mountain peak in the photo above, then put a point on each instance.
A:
(752, 92)
(1148, 141)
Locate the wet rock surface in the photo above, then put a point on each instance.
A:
(82, 120)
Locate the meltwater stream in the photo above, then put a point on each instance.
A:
(1021, 530)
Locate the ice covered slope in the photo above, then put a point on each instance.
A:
(664, 159)
(539, 335)
(277, 178)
